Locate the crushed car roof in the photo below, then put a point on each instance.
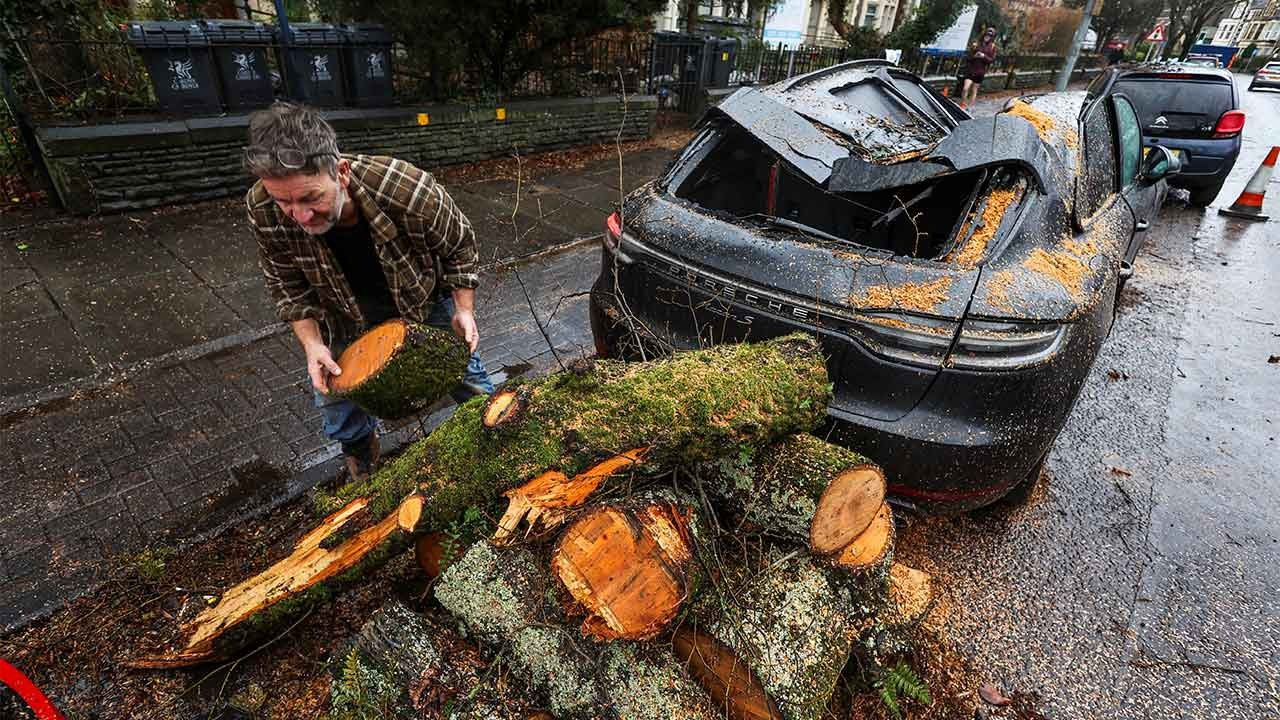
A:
(870, 125)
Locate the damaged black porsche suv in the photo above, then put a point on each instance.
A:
(960, 272)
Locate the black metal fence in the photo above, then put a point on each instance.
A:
(108, 79)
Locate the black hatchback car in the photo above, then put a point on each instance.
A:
(960, 273)
(1193, 111)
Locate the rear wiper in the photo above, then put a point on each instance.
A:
(801, 228)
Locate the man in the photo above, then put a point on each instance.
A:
(981, 55)
(346, 242)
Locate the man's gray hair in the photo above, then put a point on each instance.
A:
(300, 132)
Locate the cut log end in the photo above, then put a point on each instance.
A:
(629, 570)
(726, 678)
(368, 355)
(871, 547)
(410, 512)
(502, 407)
(847, 508)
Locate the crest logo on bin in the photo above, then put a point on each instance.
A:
(377, 68)
(182, 79)
(320, 67)
(245, 69)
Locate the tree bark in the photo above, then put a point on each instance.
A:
(630, 564)
(792, 620)
(803, 489)
(505, 597)
(399, 368)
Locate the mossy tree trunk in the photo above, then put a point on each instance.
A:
(507, 598)
(803, 489)
(591, 425)
(792, 620)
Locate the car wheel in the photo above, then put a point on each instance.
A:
(1201, 197)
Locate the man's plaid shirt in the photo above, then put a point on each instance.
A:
(417, 232)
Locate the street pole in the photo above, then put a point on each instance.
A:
(1064, 75)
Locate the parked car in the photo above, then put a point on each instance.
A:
(1195, 60)
(961, 273)
(1192, 111)
(1268, 76)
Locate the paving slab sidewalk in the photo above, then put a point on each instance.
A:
(148, 397)
(81, 299)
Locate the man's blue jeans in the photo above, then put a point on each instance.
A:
(348, 424)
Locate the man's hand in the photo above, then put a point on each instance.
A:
(464, 324)
(320, 366)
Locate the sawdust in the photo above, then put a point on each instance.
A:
(1062, 266)
(904, 325)
(998, 291)
(975, 247)
(921, 297)
(1043, 124)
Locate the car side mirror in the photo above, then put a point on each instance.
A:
(1159, 163)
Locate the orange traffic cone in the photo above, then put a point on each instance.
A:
(1249, 204)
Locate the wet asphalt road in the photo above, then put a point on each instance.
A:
(1142, 580)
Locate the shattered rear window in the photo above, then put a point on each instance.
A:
(742, 180)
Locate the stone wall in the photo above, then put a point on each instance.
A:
(108, 168)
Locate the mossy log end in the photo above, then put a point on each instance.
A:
(793, 623)
(400, 367)
(313, 568)
(505, 597)
(630, 564)
(804, 489)
(690, 408)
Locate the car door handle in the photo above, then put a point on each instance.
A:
(1142, 226)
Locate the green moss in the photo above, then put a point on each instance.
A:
(690, 408)
(430, 363)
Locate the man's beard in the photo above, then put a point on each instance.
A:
(334, 215)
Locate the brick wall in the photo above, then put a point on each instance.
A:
(108, 168)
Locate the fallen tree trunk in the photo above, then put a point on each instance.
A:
(686, 409)
(399, 368)
(630, 564)
(505, 597)
(682, 410)
(401, 664)
(804, 489)
(792, 622)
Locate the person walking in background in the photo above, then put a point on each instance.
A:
(981, 55)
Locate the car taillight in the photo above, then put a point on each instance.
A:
(1230, 124)
(613, 238)
(905, 338)
(1003, 345)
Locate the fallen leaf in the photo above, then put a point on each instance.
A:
(22, 246)
(1117, 375)
(991, 695)
(1121, 471)
(1274, 359)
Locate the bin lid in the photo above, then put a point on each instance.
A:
(166, 33)
(240, 32)
(366, 34)
(313, 34)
